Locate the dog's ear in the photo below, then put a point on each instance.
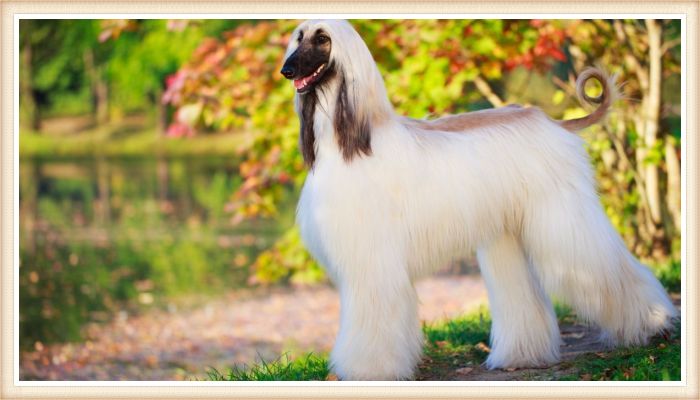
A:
(352, 128)
(307, 136)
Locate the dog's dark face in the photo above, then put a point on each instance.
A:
(308, 66)
(318, 75)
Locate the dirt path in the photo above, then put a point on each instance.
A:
(181, 344)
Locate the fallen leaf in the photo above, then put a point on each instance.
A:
(151, 361)
(464, 371)
(662, 345)
(510, 369)
(586, 377)
(483, 347)
(332, 377)
(441, 343)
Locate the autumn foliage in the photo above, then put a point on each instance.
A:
(430, 67)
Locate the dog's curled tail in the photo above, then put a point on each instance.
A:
(609, 94)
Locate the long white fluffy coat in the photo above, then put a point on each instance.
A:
(520, 192)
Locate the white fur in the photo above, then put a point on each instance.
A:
(521, 193)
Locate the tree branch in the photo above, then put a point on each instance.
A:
(564, 86)
(669, 45)
(638, 180)
(486, 91)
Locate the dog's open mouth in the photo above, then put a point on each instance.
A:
(302, 84)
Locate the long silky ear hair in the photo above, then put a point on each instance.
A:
(307, 137)
(361, 101)
(352, 131)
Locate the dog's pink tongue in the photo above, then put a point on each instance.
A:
(299, 83)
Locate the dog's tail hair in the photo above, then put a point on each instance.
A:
(610, 93)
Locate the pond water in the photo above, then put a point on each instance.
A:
(101, 237)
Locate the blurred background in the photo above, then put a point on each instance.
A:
(159, 173)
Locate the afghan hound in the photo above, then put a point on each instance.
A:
(388, 199)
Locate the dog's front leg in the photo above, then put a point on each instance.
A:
(380, 336)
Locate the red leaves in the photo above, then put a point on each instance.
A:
(547, 46)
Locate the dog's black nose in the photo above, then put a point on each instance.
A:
(287, 71)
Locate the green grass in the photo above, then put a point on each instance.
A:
(457, 343)
(114, 141)
(463, 343)
(309, 368)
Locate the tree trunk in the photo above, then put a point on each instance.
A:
(89, 62)
(104, 211)
(26, 89)
(98, 88)
(673, 186)
(161, 113)
(102, 93)
(651, 117)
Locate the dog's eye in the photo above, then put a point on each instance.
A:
(301, 36)
(322, 39)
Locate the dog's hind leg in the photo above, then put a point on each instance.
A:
(581, 259)
(524, 329)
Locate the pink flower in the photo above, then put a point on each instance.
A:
(178, 129)
(174, 84)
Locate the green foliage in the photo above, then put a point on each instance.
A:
(151, 53)
(669, 274)
(57, 49)
(616, 147)
(133, 58)
(287, 261)
(309, 368)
